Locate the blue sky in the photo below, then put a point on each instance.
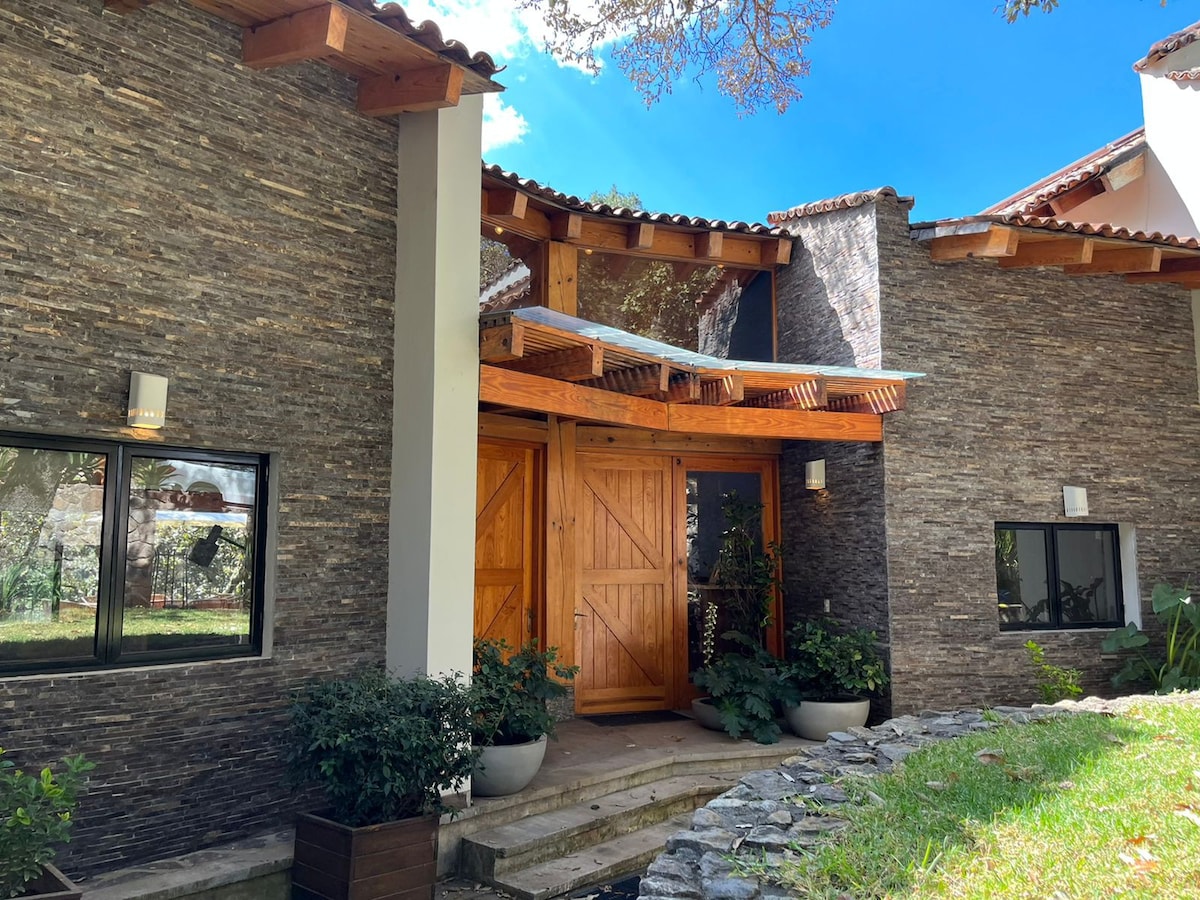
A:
(942, 99)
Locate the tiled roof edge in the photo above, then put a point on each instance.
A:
(844, 201)
(569, 201)
(1168, 45)
(429, 35)
(925, 230)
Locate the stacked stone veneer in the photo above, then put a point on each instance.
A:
(1035, 380)
(163, 208)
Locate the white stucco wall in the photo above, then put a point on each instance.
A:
(1172, 115)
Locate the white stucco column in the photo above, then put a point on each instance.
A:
(435, 411)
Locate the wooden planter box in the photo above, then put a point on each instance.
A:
(51, 885)
(393, 861)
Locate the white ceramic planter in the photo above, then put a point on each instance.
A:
(506, 769)
(814, 719)
(706, 714)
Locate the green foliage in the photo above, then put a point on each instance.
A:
(746, 572)
(646, 299)
(383, 748)
(1015, 9)
(1056, 683)
(745, 687)
(35, 815)
(25, 585)
(510, 690)
(824, 663)
(616, 198)
(1179, 667)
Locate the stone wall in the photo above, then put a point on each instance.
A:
(165, 209)
(1035, 380)
(834, 542)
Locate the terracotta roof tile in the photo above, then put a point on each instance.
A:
(1185, 74)
(924, 230)
(845, 201)
(1168, 45)
(566, 201)
(427, 34)
(1028, 200)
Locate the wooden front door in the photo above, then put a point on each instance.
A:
(505, 559)
(625, 610)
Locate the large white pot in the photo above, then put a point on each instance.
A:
(814, 719)
(506, 769)
(706, 714)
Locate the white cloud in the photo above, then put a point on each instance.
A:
(502, 125)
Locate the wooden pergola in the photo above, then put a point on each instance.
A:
(400, 66)
(544, 361)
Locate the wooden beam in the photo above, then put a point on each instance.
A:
(416, 90)
(1077, 196)
(776, 253)
(709, 245)
(521, 391)
(562, 277)
(638, 381)
(1125, 173)
(512, 428)
(998, 240)
(560, 560)
(809, 395)
(571, 364)
(723, 391)
(1119, 261)
(502, 343)
(506, 203)
(884, 399)
(311, 34)
(777, 423)
(1173, 269)
(683, 389)
(639, 236)
(1053, 252)
(566, 227)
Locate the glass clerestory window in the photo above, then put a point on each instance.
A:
(1058, 576)
(125, 554)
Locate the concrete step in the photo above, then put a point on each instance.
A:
(622, 855)
(554, 834)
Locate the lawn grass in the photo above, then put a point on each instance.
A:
(1081, 806)
(74, 624)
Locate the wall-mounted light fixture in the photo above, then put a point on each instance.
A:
(814, 475)
(147, 400)
(1075, 501)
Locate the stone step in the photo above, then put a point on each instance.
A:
(622, 855)
(557, 833)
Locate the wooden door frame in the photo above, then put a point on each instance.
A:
(767, 468)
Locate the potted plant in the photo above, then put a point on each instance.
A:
(35, 815)
(744, 687)
(510, 713)
(830, 671)
(384, 750)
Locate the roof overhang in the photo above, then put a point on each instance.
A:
(1017, 242)
(400, 66)
(544, 361)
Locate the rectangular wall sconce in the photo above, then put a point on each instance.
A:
(1075, 501)
(814, 475)
(147, 400)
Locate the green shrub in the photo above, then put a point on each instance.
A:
(383, 748)
(1179, 667)
(35, 815)
(827, 664)
(1056, 683)
(745, 686)
(510, 691)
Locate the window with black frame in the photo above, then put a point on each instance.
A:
(1058, 576)
(120, 553)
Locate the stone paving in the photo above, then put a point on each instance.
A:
(770, 811)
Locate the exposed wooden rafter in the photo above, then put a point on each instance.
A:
(570, 364)
(1076, 196)
(1063, 252)
(1184, 271)
(884, 399)
(1121, 260)
(809, 395)
(997, 240)
(649, 380)
(723, 391)
(420, 90)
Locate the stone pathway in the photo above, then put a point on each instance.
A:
(796, 804)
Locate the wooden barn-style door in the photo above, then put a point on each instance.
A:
(506, 530)
(625, 610)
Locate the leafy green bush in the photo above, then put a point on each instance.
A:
(383, 748)
(826, 664)
(1179, 669)
(1056, 682)
(35, 815)
(510, 691)
(745, 686)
